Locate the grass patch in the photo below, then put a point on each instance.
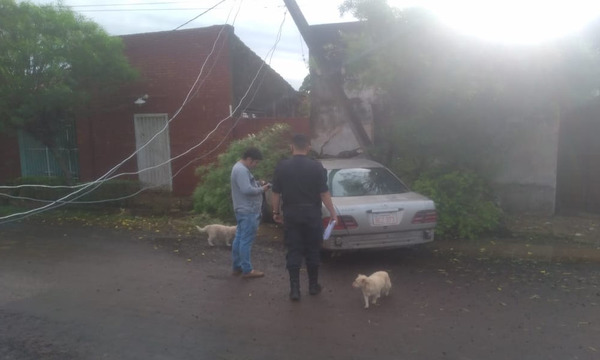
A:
(6, 210)
(125, 219)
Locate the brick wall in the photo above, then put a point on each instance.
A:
(10, 163)
(169, 63)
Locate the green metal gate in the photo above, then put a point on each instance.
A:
(38, 160)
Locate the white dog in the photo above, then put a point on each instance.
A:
(218, 232)
(373, 286)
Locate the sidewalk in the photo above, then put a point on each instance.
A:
(520, 248)
(555, 239)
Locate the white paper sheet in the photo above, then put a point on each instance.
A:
(328, 229)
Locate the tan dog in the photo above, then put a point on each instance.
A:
(373, 286)
(218, 232)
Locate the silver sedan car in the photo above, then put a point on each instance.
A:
(375, 209)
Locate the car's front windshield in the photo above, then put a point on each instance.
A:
(364, 182)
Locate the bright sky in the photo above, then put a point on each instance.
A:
(257, 22)
(514, 21)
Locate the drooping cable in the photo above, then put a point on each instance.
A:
(189, 21)
(94, 185)
(97, 183)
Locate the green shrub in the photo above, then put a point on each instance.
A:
(41, 180)
(213, 194)
(112, 189)
(45, 191)
(6, 209)
(464, 204)
(118, 190)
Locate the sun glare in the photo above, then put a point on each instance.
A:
(514, 21)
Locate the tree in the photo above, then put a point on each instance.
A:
(446, 95)
(52, 61)
(451, 105)
(213, 193)
(306, 85)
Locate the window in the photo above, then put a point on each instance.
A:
(39, 160)
(364, 182)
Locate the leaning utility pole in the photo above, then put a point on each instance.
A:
(300, 21)
(336, 90)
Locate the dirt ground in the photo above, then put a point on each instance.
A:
(581, 229)
(73, 290)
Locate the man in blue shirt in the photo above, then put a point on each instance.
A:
(247, 197)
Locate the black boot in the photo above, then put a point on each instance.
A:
(294, 284)
(314, 287)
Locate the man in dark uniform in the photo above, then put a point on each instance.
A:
(299, 188)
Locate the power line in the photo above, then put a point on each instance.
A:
(194, 85)
(139, 10)
(62, 202)
(95, 184)
(132, 4)
(219, 3)
(124, 7)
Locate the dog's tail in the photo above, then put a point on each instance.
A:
(201, 229)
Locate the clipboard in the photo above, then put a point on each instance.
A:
(328, 230)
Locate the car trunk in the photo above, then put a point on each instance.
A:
(382, 213)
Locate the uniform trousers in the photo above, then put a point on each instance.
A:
(303, 235)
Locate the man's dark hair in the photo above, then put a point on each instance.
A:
(252, 153)
(300, 141)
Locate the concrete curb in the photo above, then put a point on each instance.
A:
(513, 250)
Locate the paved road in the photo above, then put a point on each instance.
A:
(72, 292)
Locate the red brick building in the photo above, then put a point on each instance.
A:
(196, 87)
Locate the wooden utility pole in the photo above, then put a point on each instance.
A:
(336, 88)
(300, 20)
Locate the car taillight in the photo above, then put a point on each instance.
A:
(345, 222)
(425, 216)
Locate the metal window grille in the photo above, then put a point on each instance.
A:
(38, 160)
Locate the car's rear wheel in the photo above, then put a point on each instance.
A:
(329, 255)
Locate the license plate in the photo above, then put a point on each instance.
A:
(385, 219)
